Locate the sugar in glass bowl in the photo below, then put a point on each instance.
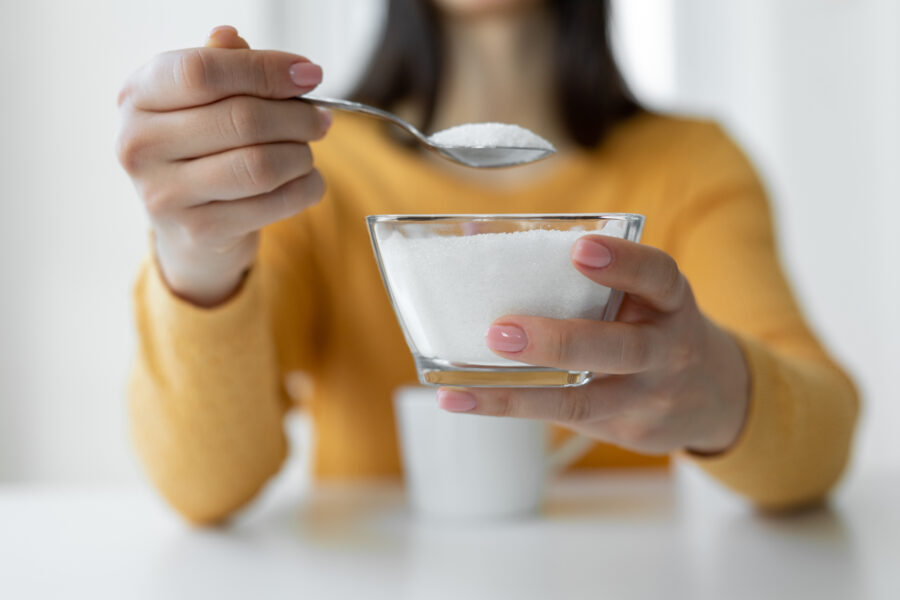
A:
(450, 276)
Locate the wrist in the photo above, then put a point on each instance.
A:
(204, 276)
(730, 393)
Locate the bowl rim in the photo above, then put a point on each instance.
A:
(632, 217)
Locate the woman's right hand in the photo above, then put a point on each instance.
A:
(216, 154)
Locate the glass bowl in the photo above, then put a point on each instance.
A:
(450, 276)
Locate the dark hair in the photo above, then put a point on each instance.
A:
(591, 94)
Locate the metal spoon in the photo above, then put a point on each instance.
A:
(471, 156)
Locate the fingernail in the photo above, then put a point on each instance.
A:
(591, 254)
(306, 74)
(219, 28)
(506, 338)
(327, 118)
(455, 401)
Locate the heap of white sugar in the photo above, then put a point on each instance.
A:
(500, 135)
(450, 289)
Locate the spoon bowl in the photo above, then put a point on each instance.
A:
(491, 156)
(480, 157)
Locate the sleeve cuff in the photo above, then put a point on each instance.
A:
(179, 318)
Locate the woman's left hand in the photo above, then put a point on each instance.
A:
(666, 377)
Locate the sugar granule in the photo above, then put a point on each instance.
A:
(450, 289)
(501, 135)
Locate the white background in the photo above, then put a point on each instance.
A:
(810, 87)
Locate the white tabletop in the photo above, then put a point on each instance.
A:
(612, 536)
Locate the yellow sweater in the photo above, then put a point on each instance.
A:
(208, 395)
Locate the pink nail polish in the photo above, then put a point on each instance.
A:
(455, 401)
(306, 74)
(506, 338)
(591, 254)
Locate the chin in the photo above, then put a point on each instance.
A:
(474, 8)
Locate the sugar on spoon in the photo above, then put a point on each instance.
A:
(480, 145)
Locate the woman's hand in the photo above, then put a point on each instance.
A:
(216, 154)
(668, 378)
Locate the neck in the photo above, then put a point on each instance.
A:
(499, 68)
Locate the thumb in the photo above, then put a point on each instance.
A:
(225, 36)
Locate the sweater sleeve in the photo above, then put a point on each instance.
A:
(799, 427)
(206, 395)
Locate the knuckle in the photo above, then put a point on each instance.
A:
(244, 120)
(671, 280)
(635, 351)
(314, 189)
(311, 121)
(636, 273)
(287, 202)
(125, 94)
(559, 339)
(159, 200)
(254, 169)
(573, 408)
(264, 65)
(289, 199)
(130, 88)
(304, 157)
(504, 405)
(191, 69)
(681, 353)
(131, 146)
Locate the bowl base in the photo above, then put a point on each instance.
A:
(438, 372)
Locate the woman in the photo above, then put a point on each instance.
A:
(254, 280)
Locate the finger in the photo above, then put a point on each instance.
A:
(647, 273)
(240, 173)
(198, 76)
(608, 409)
(221, 220)
(229, 124)
(225, 36)
(559, 405)
(576, 344)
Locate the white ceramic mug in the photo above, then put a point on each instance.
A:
(472, 466)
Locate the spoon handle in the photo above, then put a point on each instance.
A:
(358, 107)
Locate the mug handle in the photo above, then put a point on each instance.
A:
(568, 452)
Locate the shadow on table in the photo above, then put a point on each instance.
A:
(802, 555)
(352, 518)
(330, 543)
(622, 498)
